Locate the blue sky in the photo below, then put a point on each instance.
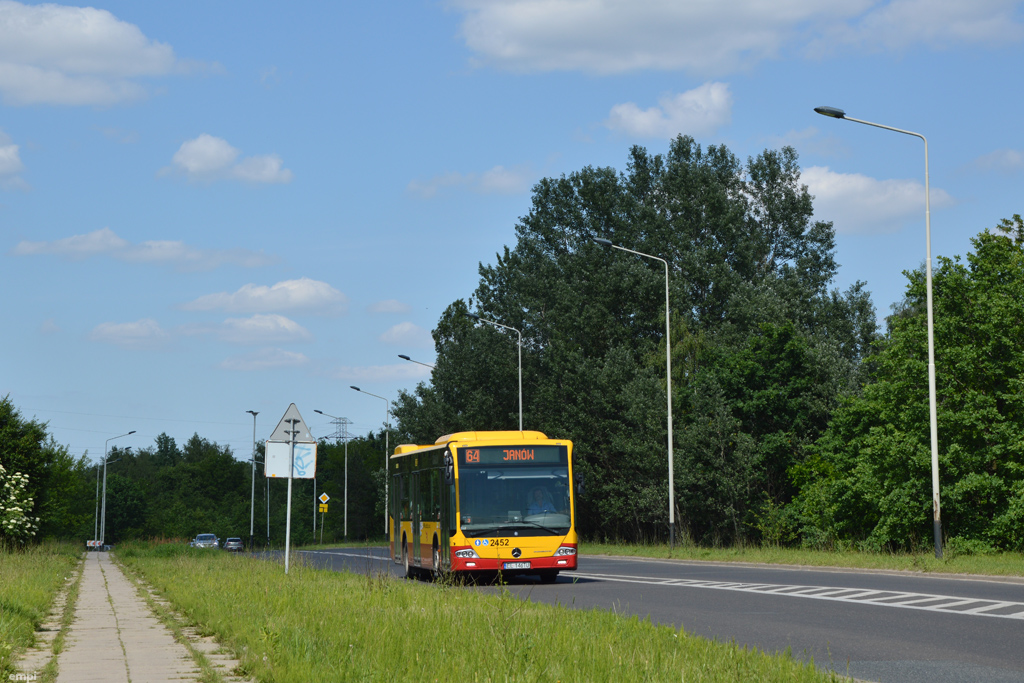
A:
(208, 208)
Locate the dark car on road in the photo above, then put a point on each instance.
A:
(235, 545)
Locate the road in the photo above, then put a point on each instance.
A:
(890, 627)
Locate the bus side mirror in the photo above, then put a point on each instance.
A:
(579, 484)
(449, 468)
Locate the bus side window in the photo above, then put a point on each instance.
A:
(435, 495)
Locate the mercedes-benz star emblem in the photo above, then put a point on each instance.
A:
(516, 552)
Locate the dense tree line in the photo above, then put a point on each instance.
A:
(868, 479)
(172, 491)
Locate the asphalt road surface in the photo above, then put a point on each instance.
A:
(889, 627)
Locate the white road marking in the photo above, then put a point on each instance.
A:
(882, 598)
(347, 554)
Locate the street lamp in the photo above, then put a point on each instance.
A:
(496, 324)
(103, 518)
(668, 378)
(341, 421)
(387, 429)
(426, 365)
(835, 113)
(96, 517)
(252, 498)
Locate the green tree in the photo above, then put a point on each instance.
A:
(869, 480)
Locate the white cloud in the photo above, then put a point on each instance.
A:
(857, 204)
(105, 242)
(1001, 160)
(208, 158)
(304, 294)
(900, 24)
(49, 326)
(10, 164)
(380, 373)
(389, 306)
(142, 334)
(407, 334)
(498, 180)
(709, 38)
(265, 359)
(262, 329)
(698, 112)
(55, 54)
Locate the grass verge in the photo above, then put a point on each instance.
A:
(30, 579)
(998, 564)
(316, 625)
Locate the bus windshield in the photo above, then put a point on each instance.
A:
(521, 499)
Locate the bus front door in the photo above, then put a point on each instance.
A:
(417, 517)
(396, 518)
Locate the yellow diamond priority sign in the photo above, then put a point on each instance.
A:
(324, 498)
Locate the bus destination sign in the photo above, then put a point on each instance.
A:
(514, 455)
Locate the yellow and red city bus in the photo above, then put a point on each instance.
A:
(484, 502)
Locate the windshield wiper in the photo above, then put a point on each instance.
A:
(475, 533)
(553, 532)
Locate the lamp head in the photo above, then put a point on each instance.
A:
(603, 242)
(404, 357)
(831, 111)
(356, 388)
(319, 411)
(131, 432)
(254, 413)
(473, 316)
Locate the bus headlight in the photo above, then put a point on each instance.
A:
(468, 552)
(565, 550)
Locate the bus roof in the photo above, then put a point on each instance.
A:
(508, 436)
(492, 436)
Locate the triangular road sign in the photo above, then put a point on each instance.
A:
(281, 434)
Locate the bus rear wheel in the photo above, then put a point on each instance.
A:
(405, 559)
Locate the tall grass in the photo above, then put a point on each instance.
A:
(995, 564)
(30, 579)
(317, 625)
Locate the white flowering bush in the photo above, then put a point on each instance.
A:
(15, 503)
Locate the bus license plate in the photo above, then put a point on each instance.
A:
(517, 565)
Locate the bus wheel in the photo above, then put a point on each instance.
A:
(405, 559)
(548, 576)
(437, 562)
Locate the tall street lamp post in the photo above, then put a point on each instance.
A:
(252, 498)
(103, 517)
(96, 517)
(932, 410)
(342, 420)
(387, 447)
(668, 379)
(497, 324)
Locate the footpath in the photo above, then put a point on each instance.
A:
(116, 638)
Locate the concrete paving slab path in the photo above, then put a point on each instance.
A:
(115, 637)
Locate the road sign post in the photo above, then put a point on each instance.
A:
(323, 511)
(292, 436)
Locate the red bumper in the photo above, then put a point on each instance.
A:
(485, 564)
